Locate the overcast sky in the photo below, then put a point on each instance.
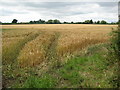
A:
(25, 11)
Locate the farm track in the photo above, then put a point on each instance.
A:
(51, 55)
(13, 60)
(19, 45)
(32, 37)
(51, 51)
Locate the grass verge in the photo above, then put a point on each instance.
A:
(91, 70)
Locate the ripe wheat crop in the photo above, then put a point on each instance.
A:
(72, 38)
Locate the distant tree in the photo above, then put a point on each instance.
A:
(34, 22)
(56, 21)
(65, 22)
(118, 22)
(41, 21)
(37, 22)
(14, 21)
(103, 22)
(91, 22)
(98, 22)
(114, 23)
(78, 23)
(53, 21)
(86, 22)
(50, 21)
(31, 22)
(95, 22)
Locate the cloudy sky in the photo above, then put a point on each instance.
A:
(27, 10)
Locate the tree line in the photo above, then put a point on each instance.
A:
(56, 21)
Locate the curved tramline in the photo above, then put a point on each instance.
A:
(39, 50)
(11, 48)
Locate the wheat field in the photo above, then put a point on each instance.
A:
(43, 46)
(68, 39)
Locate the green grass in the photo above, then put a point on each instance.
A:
(83, 71)
(32, 81)
(91, 70)
(35, 82)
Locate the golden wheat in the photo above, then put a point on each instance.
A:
(34, 52)
(73, 37)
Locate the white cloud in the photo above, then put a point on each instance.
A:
(65, 11)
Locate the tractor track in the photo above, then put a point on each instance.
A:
(7, 81)
(51, 56)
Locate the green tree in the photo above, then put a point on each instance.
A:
(41, 21)
(95, 22)
(103, 22)
(91, 21)
(118, 22)
(65, 22)
(31, 22)
(14, 21)
(50, 21)
(86, 22)
(56, 21)
(98, 22)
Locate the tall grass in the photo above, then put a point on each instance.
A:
(114, 56)
(115, 45)
(87, 71)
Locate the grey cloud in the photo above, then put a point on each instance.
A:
(49, 5)
(8, 12)
(55, 4)
(8, 4)
(108, 4)
(52, 5)
(55, 9)
(119, 8)
(63, 7)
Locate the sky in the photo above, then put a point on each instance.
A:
(76, 11)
